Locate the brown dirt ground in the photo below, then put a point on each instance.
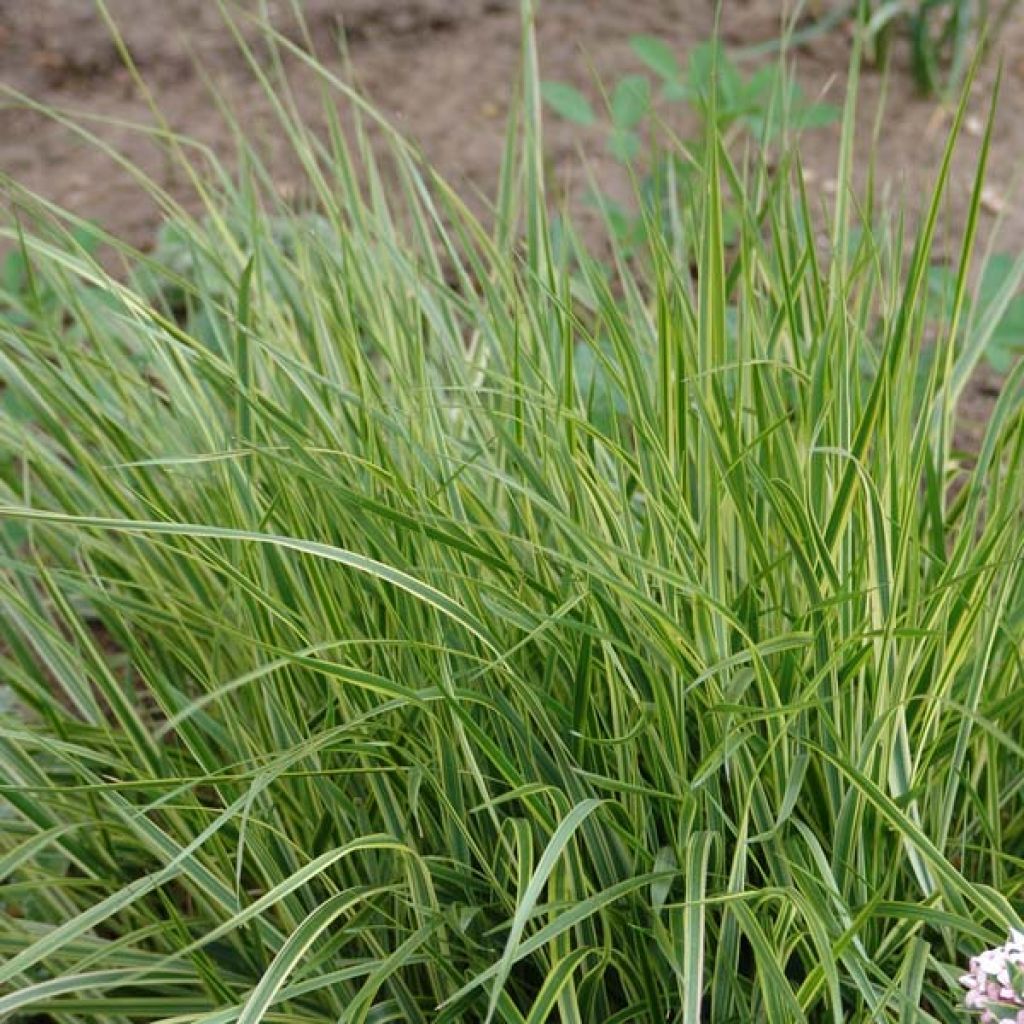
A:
(442, 70)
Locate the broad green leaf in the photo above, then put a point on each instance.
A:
(568, 102)
(657, 55)
(1007, 341)
(631, 101)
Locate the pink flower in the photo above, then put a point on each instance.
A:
(995, 982)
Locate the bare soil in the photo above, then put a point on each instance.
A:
(442, 70)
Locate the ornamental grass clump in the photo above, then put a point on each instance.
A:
(418, 617)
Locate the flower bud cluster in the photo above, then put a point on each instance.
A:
(995, 982)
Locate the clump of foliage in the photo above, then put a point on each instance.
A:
(943, 34)
(373, 663)
(725, 102)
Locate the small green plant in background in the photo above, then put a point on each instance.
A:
(943, 35)
(759, 105)
(729, 106)
(30, 303)
(26, 299)
(765, 102)
(990, 302)
(190, 284)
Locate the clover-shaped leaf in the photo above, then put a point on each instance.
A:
(568, 102)
(631, 100)
(658, 56)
